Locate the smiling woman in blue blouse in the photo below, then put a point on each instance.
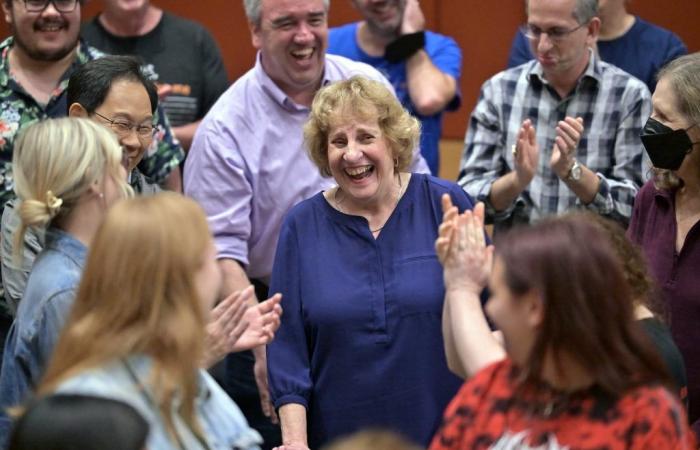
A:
(360, 344)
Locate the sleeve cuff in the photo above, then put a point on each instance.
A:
(291, 398)
(602, 202)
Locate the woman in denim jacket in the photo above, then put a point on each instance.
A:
(68, 173)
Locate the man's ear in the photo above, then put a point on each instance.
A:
(593, 31)
(77, 110)
(7, 10)
(255, 37)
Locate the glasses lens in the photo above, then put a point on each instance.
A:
(65, 5)
(35, 5)
(121, 128)
(530, 32)
(145, 131)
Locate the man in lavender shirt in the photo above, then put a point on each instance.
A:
(247, 165)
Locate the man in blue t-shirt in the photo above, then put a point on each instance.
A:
(423, 67)
(634, 45)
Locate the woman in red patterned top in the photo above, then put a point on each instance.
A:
(578, 372)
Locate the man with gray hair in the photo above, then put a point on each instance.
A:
(247, 165)
(559, 132)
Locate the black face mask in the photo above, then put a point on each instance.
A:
(666, 147)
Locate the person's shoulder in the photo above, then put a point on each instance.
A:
(236, 99)
(341, 68)
(644, 28)
(439, 185)
(436, 39)
(650, 400)
(87, 52)
(343, 31)
(183, 27)
(305, 208)
(109, 381)
(618, 78)
(495, 376)
(511, 75)
(91, 27)
(649, 191)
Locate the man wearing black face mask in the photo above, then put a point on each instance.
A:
(667, 210)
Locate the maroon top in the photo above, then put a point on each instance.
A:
(653, 227)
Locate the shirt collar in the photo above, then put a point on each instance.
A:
(593, 71)
(274, 91)
(65, 243)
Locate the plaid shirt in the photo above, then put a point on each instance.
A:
(614, 107)
(18, 110)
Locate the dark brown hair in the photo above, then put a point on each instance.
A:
(588, 309)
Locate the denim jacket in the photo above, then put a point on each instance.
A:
(47, 300)
(222, 422)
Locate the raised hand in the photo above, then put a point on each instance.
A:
(263, 320)
(225, 327)
(449, 214)
(526, 154)
(569, 132)
(413, 19)
(467, 264)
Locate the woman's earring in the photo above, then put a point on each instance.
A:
(396, 163)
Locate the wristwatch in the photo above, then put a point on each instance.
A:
(575, 172)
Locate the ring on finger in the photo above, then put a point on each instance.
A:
(514, 150)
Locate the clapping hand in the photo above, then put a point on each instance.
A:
(225, 327)
(462, 250)
(263, 321)
(569, 132)
(526, 154)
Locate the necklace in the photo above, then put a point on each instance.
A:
(402, 190)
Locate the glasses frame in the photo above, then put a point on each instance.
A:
(559, 36)
(46, 5)
(131, 127)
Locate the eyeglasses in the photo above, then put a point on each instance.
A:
(63, 6)
(123, 127)
(554, 34)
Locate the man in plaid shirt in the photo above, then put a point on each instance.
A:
(560, 131)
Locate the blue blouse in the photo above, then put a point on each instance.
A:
(360, 343)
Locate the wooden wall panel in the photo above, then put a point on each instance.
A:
(484, 30)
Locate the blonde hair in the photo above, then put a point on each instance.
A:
(138, 296)
(683, 76)
(372, 439)
(364, 99)
(55, 162)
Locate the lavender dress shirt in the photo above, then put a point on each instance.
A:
(248, 165)
(654, 228)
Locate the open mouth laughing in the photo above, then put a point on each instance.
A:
(358, 173)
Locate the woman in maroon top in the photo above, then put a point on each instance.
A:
(667, 209)
(578, 372)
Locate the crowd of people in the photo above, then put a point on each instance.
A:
(275, 264)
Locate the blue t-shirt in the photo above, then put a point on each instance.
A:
(641, 52)
(445, 55)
